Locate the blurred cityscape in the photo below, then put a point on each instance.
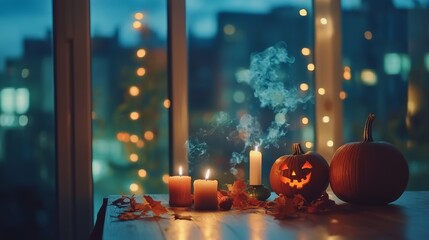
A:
(386, 72)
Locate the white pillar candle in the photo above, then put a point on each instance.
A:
(179, 188)
(255, 168)
(205, 193)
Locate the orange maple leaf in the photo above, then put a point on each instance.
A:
(241, 199)
(142, 207)
(125, 216)
(136, 210)
(156, 206)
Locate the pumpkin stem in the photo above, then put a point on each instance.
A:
(367, 131)
(296, 149)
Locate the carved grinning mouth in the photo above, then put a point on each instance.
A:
(295, 183)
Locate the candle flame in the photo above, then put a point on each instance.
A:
(180, 171)
(207, 174)
(256, 148)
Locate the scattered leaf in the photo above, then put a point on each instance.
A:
(136, 210)
(240, 198)
(282, 208)
(224, 202)
(322, 204)
(156, 206)
(122, 201)
(125, 216)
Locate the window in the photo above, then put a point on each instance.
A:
(384, 72)
(385, 64)
(130, 105)
(251, 83)
(27, 126)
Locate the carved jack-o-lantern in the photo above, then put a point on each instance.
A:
(306, 174)
(296, 178)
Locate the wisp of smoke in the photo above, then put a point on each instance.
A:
(275, 93)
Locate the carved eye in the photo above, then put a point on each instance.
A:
(306, 165)
(284, 167)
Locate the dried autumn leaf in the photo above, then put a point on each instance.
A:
(282, 208)
(299, 201)
(122, 201)
(222, 193)
(254, 202)
(239, 186)
(136, 210)
(240, 198)
(125, 216)
(156, 206)
(142, 207)
(321, 204)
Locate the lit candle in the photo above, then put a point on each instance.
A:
(255, 168)
(205, 193)
(179, 188)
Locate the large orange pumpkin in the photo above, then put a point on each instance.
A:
(300, 173)
(368, 172)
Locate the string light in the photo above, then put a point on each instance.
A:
(139, 16)
(142, 173)
(325, 119)
(134, 116)
(148, 135)
(167, 103)
(304, 120)
(330, 143)
(141, 53)
(165, 178)
(324, 21)
(303, 12)
(134, 157)
(134, 138)
(305, 51)
(134, 91)
(304, 87)
(123, 137)
(137, 25)
(308, 144)
(140, 143)
(343, 95)
(134, 187)
(311, 67)
(321, 91)
(347, 75)
(141, 71)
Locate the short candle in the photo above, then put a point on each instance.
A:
(255, 168)
(179, 188)
(205, 193)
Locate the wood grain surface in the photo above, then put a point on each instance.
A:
(406, 218)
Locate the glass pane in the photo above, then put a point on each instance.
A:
(130, 105)
(386, 70)
(250, 83)
(27, 137)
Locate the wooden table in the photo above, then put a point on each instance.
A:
(406, 218)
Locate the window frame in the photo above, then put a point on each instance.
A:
(72, 67)
(73, 118)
